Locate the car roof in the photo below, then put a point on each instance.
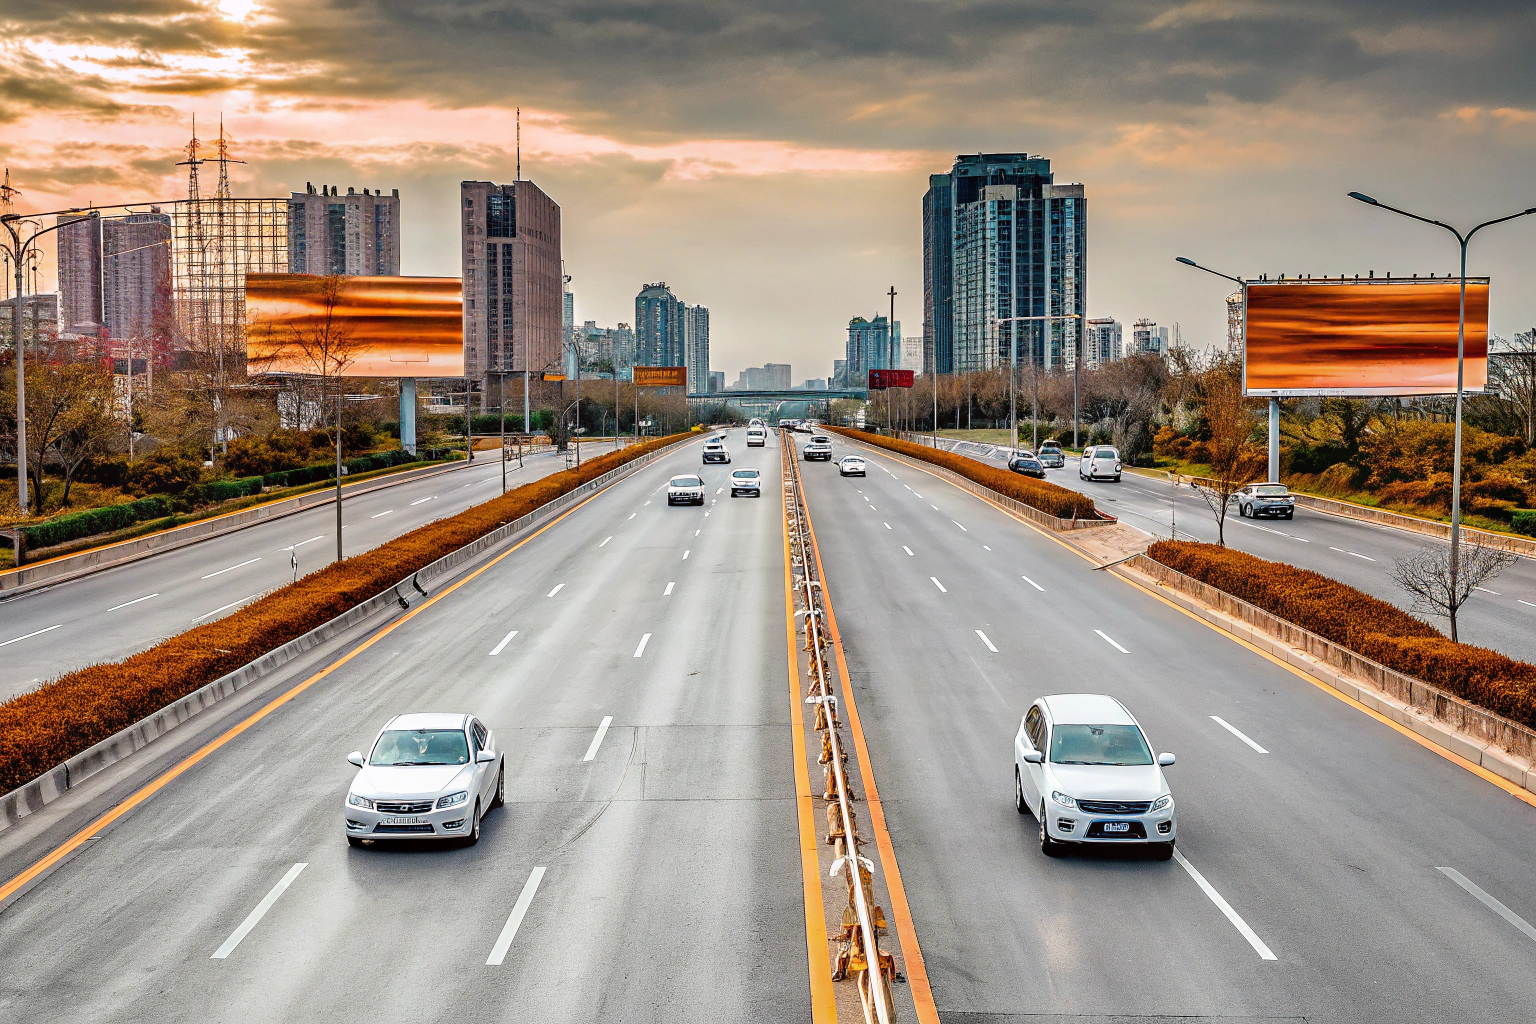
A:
(1086, 709)
(748, 471)
(427, 720)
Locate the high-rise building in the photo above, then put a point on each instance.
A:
(357, 234)
(1103, 343)
(839, 373)
(716, 381)
(872, 345)
(1000, 240)
(513, 285)
(1147, 336)
(136, 276)
(776, 376)
(696, 348)
(79, 251)
(1235, 321)
(659, 333)
(39, 318)
(623, 350)
(911, 353)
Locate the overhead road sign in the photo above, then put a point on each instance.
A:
(880, 380)
(661, 376)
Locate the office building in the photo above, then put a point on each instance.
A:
(623, 344)
(39, 319)
(1235, 321)
(1103, 342)
(814, 384)
(1147, 336)
(839, 373)
(659, 336)
(696, 348)
(79, 253)
(513, 285)
(136, 276)
(357, 234)
(1001, 240)
(716, 381)
(872, 345)
(568, 330)
(911, 353)
(776, 376)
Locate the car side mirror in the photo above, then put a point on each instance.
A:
(356, 757)
(485, 757)
(1165, 759)
(1034, 757)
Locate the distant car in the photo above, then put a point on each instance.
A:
(715, 451)
(685, 490)
(818, 448)
(1027, 463)
(1084, 769)
(1050, 455)
(1100, 462)
(1257, 500)
(851, 465)
(747, 481)
(757, 437)
(429, 776)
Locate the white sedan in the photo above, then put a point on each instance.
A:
(747, 481)
(427, 776)
(1084, 769)
(851, 465)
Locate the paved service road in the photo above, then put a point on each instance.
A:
(111, 614)
(1354, 552)
(1339, 849)
(658, 881)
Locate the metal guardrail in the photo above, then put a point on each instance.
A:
(863, 920)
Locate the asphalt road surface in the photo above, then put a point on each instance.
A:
(1338, 850)
(667, 866)
(111, 614)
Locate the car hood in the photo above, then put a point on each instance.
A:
(1108, 782)
(385, 781)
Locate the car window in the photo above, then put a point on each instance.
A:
(1033, 726)
(421, 746)
(480, 734)
(1270, 490)
(1105, 453)
(686, 481)
(1099, 744)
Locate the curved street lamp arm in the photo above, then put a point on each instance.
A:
(1191, 263)
(1501, 220)
(1413, 216)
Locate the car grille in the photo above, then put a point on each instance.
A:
(402, 806)
(402, 830)
(1096, 831)
(1115, 806)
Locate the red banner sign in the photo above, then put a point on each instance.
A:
(879, 380)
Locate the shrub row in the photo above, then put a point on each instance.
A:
(1364, 624)
(222, 490)
(91, 521)
(1524, 521)
(1047, 497)
(44, 728)
(327, 470)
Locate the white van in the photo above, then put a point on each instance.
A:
(757, 437)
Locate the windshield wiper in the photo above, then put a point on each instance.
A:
(409, 764)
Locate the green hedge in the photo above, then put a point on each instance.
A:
(215, 491)
(327, 470)
(1524, 521)
(91, 521)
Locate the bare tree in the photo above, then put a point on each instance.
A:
(1512, 375)
(68, 403)
(1426, 576)
(1235, 458)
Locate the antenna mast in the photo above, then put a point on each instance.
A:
(519, 144)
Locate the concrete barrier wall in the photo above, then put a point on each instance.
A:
(1519, 545)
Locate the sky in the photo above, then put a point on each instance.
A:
(768, 159)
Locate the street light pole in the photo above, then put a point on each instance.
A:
(1461, 332)
(1013, 414)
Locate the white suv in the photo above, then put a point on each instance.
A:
(819, 447)
(1084, 769)
(685, 490)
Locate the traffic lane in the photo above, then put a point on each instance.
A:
(109, 615)
(1177, 674)
(707, 831)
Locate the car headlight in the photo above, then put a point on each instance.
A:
(1063, 799)
(1161, 802)
(359, 801)
(452, 800)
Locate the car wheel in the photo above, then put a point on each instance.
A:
(500, 798)
(1018, 793)
(474, 827)
(354, 841)
(1247, 511)
(1048, 846)
(1162, 851)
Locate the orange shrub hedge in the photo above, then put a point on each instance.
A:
(42, 729)
(1364, 624)
(1049, 498)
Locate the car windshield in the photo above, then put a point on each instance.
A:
(421, 746)
(744, 473)
(1049, 445)
(1105, 453)
(687, 481)
(1270, 490)
(1099, 744)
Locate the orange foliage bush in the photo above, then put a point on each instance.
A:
(44, 728)
(1364, 624)
(1037, 494)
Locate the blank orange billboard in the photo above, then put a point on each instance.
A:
(1379, 337)
(661, 376)
(382, 326)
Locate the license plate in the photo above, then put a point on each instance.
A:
(400, 821)
(1117, 826)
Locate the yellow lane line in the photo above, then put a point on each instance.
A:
(1518, 792)
(823, 999)
(80, 838)
(906, 932)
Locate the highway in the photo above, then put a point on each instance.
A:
(646, 872)
(1503, 617)
(109, 615)
(1338, 849)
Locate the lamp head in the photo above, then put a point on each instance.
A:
(1364, 198)
(1186, 261)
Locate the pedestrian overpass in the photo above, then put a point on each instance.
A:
(788, 403)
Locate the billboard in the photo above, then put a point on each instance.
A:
(1387, 336)
(392, 326)
(880, 380)
(661, 376)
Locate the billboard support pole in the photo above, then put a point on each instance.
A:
(1274, 440)
(1461, 333)
(408, 414)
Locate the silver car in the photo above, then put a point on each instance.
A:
(747, 481)
(427, 776)
(685, 490)
(852, 465)
(1100, 462)
(1257, 500)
